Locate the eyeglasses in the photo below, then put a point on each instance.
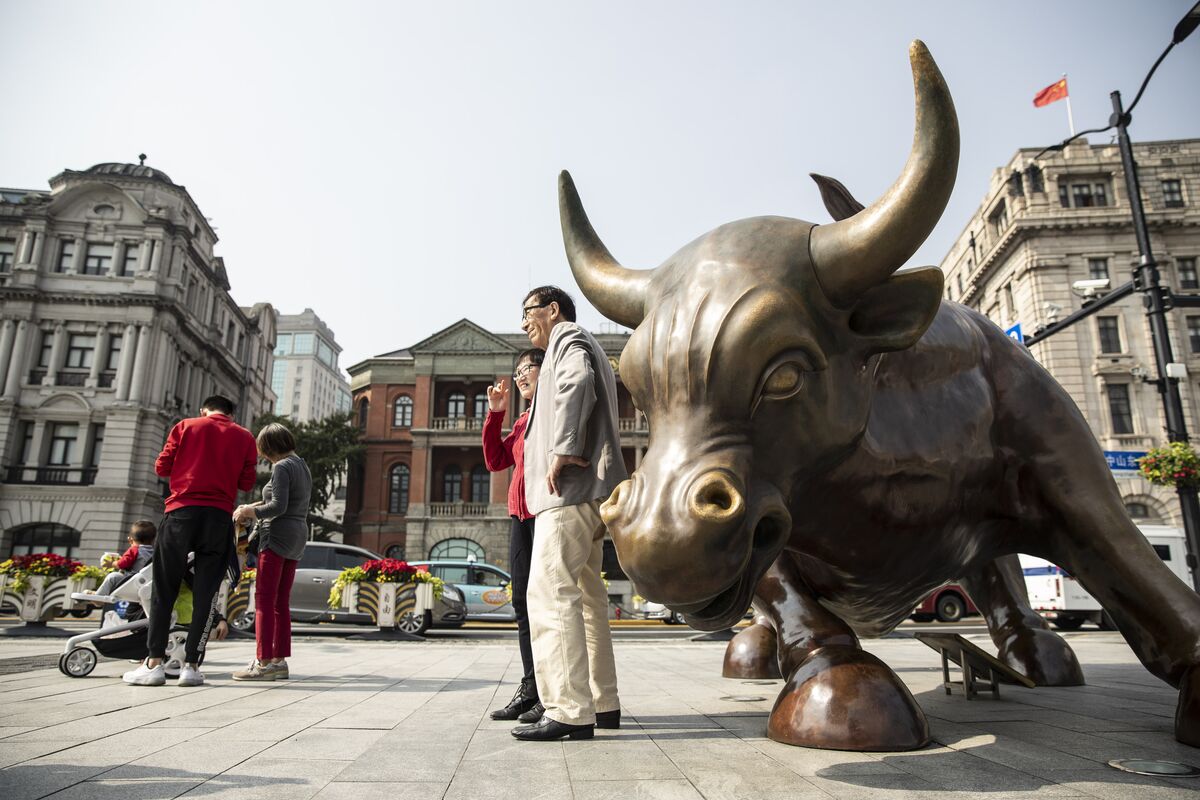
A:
(525, 370)
(525, 311)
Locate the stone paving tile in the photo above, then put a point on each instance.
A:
(1111, 784)
(343, 744)
(964, 772)
(16, 752)
(502, 781)
(409, 790)
(635, 790)
(201, 757)
(126, 790)
(268, 778)
(628, 758)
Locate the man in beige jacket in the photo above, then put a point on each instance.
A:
(572, 463)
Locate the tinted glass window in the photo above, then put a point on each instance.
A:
(451, 574)
(347, 558)
(1163, 550)
(486, 577)
(314, 558)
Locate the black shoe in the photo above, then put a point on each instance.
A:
(533, 714)
(547, 730)
(609, 720)
(525, 699)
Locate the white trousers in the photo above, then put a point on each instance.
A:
(568, 615)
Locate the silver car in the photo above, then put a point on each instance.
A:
(316, 572)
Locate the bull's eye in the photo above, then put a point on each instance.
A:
(784, 381)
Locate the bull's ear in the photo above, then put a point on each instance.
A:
(837, 198)
(894, 314)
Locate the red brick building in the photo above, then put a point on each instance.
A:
(422, 490)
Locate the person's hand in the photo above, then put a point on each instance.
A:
(219, 631)
(498, 396)
(558, 465)
(245, 514)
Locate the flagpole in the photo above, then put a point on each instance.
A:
(1070, 116)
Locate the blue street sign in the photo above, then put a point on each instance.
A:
(1123, 460)
(1015, 334)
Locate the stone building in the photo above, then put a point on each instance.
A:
(115, 322)
(1046, 225)
(306, 378)
(422, 490)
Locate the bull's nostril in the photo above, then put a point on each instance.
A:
(610, 509)
(714, 497)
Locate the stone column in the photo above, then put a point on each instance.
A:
(137, 386)
(39, 243)
(144, 255)
(162, 369)
(118, 257)
(183, 384)
(37, 444)
(125, 368)
(8, 330)
(99, 356)
(156, 259)
(58, 353)
(25, 246)
(76, 265)
(16, 365)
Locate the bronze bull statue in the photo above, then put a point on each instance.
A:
(831, 441)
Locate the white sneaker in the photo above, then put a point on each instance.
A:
(145, 676)
(190, 676)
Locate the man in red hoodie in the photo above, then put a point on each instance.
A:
(207, 460)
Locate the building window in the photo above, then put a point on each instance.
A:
(129, 262)
(62, 443)
(481, 483)
(1172, 190)
(1064, 195)
(1098, 269)
(25, 454)
(1016, 186)
(97, 445)
(1010, 304)
(999, 219)
(80, 351)
(481, 406)
(402, 416)
(452, 484)
(364, 408)
(958, 280)
(8, 254)
(1081, 195)
(456, 405)
(47, 349)
(398, 490)
(99, 259)
(1119, 408)
(66, 254)
(456, 550)
(1193, 329)
(1139, 511)
(283, 344)
(1110, 335)
(44, 537)
(303, 344)
(1034, 175)
(114, 352)
(1187, 274)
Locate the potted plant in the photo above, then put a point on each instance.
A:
(1174, 465)
(38, 585)
(389, 590)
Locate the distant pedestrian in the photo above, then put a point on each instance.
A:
(500, 454)
(283, 521)
(207, 460)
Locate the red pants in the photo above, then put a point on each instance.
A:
(272, 601)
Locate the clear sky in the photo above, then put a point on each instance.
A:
(393, 165)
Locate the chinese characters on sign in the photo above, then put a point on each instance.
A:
(1122, 460)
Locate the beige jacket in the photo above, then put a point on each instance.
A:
(574, 413)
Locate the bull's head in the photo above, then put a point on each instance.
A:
(753, 357)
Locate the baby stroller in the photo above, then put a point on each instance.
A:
(124, 625)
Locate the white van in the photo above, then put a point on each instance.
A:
(1060, 599)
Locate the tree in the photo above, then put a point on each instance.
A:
(327, 446)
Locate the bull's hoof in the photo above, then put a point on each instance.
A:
(751, 654)
(843, 698)
(1187, 713)
(1043, 656)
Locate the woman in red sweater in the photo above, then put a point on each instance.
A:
(502, 453)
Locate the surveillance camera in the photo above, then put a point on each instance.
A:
(1091, 285)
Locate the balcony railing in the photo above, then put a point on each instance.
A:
(37, 376)
(105, 380)
(51, 476)
(633, 424)
(458, 509)
(457, 424)
(70, 379)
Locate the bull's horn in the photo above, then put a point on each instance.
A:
(618, 293)
(854, 254)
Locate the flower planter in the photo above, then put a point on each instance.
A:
(389, 604)
(239, 608)
(85, 584)
(38, 603)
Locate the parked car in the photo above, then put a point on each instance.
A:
(650, 610)
(315, 574)
(949, 603)
(483, 586)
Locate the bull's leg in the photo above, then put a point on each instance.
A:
(1023, 638)
(752, 653)
(837, 697)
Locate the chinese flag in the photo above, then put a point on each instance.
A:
(1055, 91)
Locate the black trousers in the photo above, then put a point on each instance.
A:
(520, 553)
(207, 532)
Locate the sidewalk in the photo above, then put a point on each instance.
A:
(405, 722)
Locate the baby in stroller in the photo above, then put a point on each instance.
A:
(124, 624)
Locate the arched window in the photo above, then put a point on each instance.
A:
(481, 483)
(402, 417)
(398, 490)
(481, 404)
(452, 484)
(456, 550)
(364, 408)
(456, 405)
(1140, 512)
(394, 551)
(44, 537)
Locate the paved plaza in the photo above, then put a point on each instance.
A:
(370, 720)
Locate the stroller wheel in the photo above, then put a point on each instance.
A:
(78, 663)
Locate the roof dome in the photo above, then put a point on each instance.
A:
(130, 171)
